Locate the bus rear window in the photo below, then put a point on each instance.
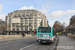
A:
(44, 29)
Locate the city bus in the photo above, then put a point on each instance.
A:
(46, 34)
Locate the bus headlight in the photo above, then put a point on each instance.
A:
(37, 38)
(51, 38)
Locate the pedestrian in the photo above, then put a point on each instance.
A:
(56, 34)
(34, 32)
(22, 34)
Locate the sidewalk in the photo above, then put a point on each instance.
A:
(66, 43)
(13, 39)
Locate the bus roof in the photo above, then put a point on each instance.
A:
(44, 27)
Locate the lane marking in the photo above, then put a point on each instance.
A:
(28, 46)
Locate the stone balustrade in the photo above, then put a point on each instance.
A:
(71, 35)
(9, 36)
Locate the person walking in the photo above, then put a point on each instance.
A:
(22, 34)
(35, 32)
(56, 34)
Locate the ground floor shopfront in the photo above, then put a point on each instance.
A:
(20, 32)
(72, 30)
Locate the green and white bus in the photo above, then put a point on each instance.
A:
(46, 35)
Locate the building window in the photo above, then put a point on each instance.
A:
(35, 26)
(23, 11)
(22, 20)
(30, 21)
(26, 29)
(26, 18)
(21, 24)
(19, 15)
(27, 11)
(35, 17)
(35, 21)
(26, 21)
(22, 28)
(31, 14)
(35, 29)
(40, 24)
(13, 29)
(39, 13)
(9, 19)
(26, 24)
(23, 15)
(30, 18)
(13, 24)
(17, 26)
(40, 20)
(27, 14)
(35, 13)
(32, 11)
(40, 16)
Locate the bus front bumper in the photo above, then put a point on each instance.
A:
(44, 41)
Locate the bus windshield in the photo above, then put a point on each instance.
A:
(44, 29)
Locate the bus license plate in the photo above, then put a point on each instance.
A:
(44, 41)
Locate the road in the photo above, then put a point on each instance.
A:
(66, 43)
(26, 44)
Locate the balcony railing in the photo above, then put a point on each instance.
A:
(22, 25)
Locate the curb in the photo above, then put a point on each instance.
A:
(56, 44)
(30, 35)
(13, 39)
(9, 40)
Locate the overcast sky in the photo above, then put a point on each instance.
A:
(60, 10)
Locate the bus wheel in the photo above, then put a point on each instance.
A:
(36, 40)
(52, 41)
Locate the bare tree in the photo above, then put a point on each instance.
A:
(63, 25)
(2, 28)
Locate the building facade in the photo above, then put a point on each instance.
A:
(72, 25)
(57, 26)
(25, 21)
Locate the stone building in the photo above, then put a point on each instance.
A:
(72, 25)
(25, 21)
(57, 26)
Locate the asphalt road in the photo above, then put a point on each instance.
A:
(26, 44)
